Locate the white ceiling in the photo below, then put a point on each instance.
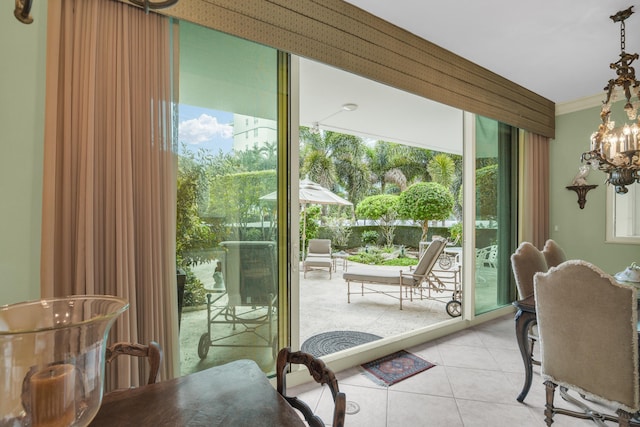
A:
(383, 113)
(560, 49)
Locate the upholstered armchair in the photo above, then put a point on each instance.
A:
(588, 340)
(553, 254)
(526, 261)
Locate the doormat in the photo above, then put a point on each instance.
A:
(398, 366)
(333, 341)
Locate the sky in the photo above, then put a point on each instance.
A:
(204, 128)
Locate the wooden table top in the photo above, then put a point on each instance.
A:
(234, 394)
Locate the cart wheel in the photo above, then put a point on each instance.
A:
(203, 346)
(454, 308)
(445, 262)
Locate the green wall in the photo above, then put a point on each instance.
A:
(22, 89)
(581, 232)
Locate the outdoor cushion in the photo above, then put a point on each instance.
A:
(382, 277)
(314, 263)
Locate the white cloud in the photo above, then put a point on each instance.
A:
(203, 129)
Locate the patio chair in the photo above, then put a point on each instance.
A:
(319, 248)
(318, 256)
(589, 342)
(322, 375)
(487, 257)
(407, 282)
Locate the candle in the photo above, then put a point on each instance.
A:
(52, 392)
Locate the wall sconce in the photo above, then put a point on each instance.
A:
(21, 12)
(582, 191)
(580, 185)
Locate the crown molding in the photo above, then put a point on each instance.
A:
(588, 102)
(579, 104)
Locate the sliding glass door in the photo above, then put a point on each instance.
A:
(227, 236)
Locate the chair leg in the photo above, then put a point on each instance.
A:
(549, 409)
(624, 418)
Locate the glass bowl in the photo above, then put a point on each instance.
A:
(52, 355)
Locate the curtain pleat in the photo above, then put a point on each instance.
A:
(535, 214)
(110, 170)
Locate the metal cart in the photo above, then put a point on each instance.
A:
(245, 295)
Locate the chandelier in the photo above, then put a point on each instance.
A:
(616, 150)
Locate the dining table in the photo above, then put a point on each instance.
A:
(234, 394)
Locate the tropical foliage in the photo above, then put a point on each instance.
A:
(335, 161)
(487, 192)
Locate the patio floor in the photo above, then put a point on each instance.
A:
(323, 308)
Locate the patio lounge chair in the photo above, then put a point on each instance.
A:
(318, 256)
(408, 282)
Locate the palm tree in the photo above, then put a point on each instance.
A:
(381, 160)
(413, 163)
(335, 161)
(315, 157)
(442, 169)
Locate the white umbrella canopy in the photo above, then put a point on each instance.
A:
(311, 193)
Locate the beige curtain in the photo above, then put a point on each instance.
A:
(110, 170)
(535, 189)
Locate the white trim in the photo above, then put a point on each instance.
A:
(580, 104)
(610, 223)
(587, 102)
(468, 215)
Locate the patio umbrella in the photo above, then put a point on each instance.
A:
(311, 193)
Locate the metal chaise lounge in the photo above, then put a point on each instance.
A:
(422, 280)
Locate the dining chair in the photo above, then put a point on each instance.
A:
(153, 353)
(553, 253)
(588, 340)
(321, 374)
(526, 261)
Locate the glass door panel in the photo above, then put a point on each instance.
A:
(227, 236)
(495, 213)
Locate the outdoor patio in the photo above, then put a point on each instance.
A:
(323, 308)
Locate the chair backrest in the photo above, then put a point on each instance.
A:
(153, 353)
(430, 256)
(553, 254)
(321, 374)
(319, 247)
(587, 327)
(250, 275)
(526, 261)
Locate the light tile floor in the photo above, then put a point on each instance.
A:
(478, 374)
